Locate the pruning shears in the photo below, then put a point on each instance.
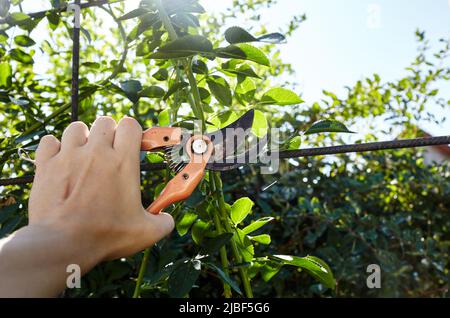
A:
(214, 151)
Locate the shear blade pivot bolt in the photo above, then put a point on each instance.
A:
(199, 146)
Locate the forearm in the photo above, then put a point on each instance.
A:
(34, 260)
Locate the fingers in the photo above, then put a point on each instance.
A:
(102, 132)
(157, 226)
(128, 136)
(48, 147)
(75, 135)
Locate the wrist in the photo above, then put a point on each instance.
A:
(70, 245)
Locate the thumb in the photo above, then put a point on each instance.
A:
(157, 226)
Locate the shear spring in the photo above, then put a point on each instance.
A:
(23, 154)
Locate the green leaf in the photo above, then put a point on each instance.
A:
(205, 95)
(21, 56)
(313, 265)
(237, 34)
(245, 246)
(257, 224)
(409, 94)
(24, 40)
(183, 277)
(10, 226)
(29, 137)
(240, 209)
(185, 223)
(93, 65)
(185, 20)
(260, 125)
(55, 3)
(245, 91)
(199, 230)
(294, 143)
(183, 47)
(225, 277)
(152, 92)
(243, 70)
(131, 89)
(273, 38)
(164, 118)
(146, 46)
(134, 14)
(280, 96)
(434, 92)
(199, 67)
(7, 211)
(18, 18)
(175, 88)
(327, 126)
(3, 36)
(53, 19)
(243, 52)
(221, 120)
(269, 270)
(213, 245)
(262, 239)
(86, 34)
(220, 89)
(158, 190)
(161, 75)
(5, 74)
(154, 157)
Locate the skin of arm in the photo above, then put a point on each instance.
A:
(85, 207)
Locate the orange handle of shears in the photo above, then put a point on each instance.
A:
(185, 182)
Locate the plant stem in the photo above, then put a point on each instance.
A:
(166, 20)
(137, 290)
(197, 102)
(223, 250)
(195, 92)
(223, 211)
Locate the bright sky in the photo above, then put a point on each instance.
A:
(344, 41)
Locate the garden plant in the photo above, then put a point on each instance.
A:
(308, 229)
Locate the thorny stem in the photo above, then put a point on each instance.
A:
(195, 95)
(142, 268)
(223, 250)
(195, 92)
(223, 212)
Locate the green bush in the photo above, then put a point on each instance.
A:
(157, 65)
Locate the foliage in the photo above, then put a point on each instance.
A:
(233, 236)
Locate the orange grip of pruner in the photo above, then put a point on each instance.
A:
(185, 182)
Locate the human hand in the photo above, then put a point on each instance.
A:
(88, 186)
